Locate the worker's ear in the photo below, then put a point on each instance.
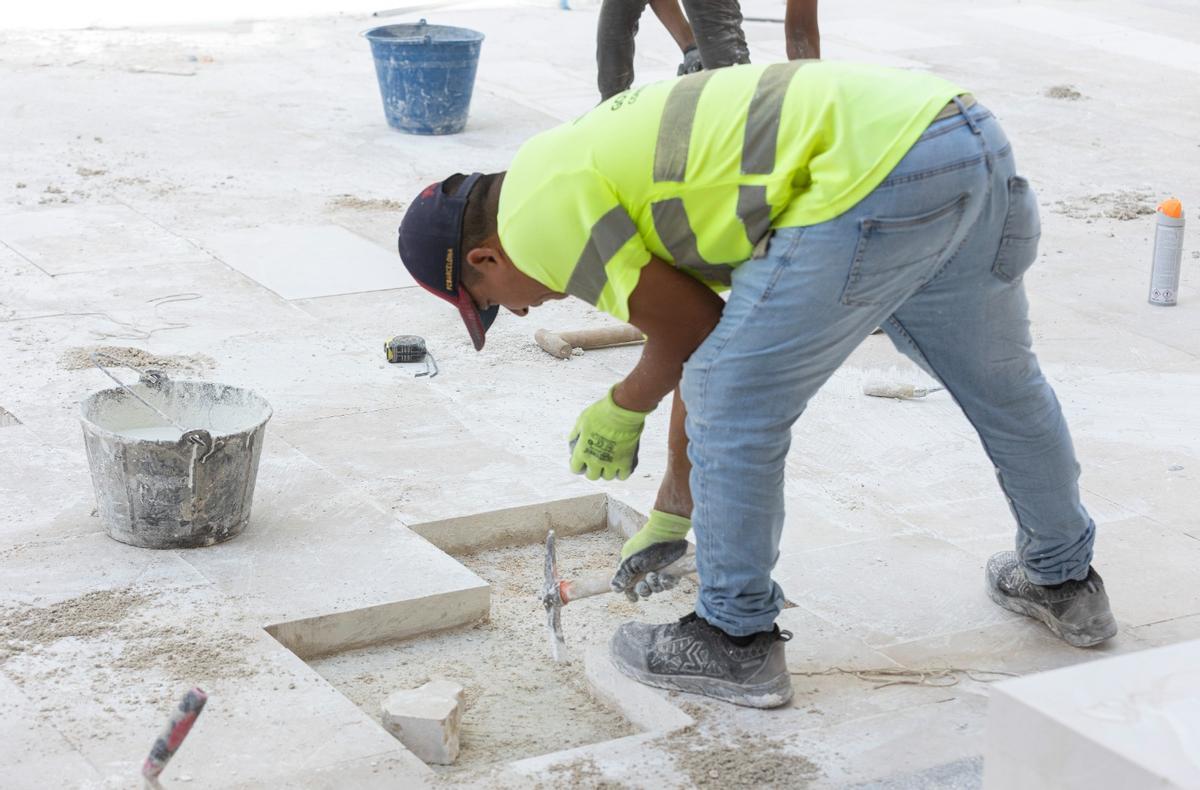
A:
(487, 255)
(482, 259)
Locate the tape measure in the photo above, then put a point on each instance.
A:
(410, 348)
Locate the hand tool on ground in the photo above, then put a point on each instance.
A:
(169, 741)
(558, 592)
(410, 348)
(561, 344)
(898, 391)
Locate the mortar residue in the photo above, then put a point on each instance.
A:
(117, 623)
(366, 204)
(519, 703)
(1067, 92)
(1121, 205)
(78, 358)
(738, 762)
(83, 617)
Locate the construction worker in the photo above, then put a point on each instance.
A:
(828, 199)
(721, 40)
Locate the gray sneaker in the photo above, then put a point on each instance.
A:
(691, 655)
(1075, 610)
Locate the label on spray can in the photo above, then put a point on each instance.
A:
(1168, 254)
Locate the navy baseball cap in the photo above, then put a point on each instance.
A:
(430, 245)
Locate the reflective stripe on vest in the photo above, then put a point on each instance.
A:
(608, 235)
(671, 222)
(670, 217)
(762, 120)
(675, 129)
(758, 158)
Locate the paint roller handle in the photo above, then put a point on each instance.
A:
(171, 738)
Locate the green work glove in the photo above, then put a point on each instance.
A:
(604, 441)
(655, 546)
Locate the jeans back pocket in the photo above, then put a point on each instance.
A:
(1022, 230)
(895, 254)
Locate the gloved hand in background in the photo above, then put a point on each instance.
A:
(604, 441)
(691, 61)
(655, 546)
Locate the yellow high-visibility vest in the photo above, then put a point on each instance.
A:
(697, 170)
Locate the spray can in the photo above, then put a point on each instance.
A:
(1168, 253)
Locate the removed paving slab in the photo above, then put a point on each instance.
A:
(519, 703)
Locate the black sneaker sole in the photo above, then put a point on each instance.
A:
(1074, 636)
(771, 694)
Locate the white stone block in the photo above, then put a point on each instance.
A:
(440, 687)
(1132, 721)
(426, 723)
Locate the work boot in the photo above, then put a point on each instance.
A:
(1075, 610)
(692, 655)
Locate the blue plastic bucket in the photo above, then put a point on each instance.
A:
(426, 75)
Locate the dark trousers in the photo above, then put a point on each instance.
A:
(717, 25)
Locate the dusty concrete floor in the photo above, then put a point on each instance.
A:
(145, 170)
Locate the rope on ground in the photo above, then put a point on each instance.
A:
(899, 676)
(132, 331)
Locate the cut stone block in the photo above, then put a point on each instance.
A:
(444, 688)
(1116, 723)
(426, 722)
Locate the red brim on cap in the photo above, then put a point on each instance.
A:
(471, 317)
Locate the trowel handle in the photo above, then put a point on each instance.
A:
(587, 586)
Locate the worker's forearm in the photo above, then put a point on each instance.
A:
(675, 492)
(671, 16)
(656, 374)
(801, 30)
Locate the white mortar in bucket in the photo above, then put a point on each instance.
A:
(173, 462)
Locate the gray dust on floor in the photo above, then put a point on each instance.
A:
(519, 703)
(79, 358)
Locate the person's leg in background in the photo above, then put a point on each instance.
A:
(718, 28)
(615, 32)
(970, 325)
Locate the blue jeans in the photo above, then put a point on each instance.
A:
(934, 255)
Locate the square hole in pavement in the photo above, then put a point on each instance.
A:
(519, 703)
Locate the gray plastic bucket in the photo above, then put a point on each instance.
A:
(161, 487)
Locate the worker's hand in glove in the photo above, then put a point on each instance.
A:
(691, 61)
(604, 441)
(655, 546)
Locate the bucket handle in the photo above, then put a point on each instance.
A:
(420, 39)
(153, 378)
